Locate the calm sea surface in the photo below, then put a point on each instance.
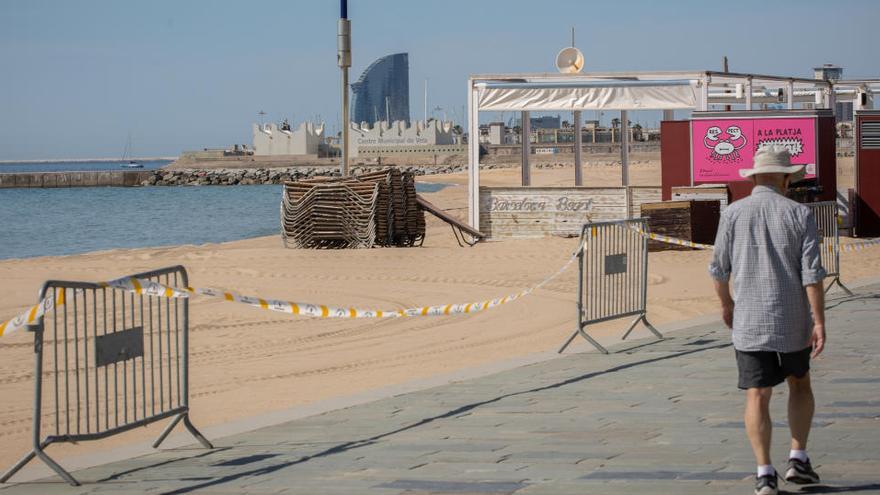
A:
(43, 222)
(10, 167)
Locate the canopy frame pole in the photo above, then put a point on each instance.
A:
(789, 88)
(578, 145)
(832, 100)
(624, 149)
(749, 94)
(703, 103)
(473, 156)
(526, 131)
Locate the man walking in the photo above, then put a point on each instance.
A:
(770, 245)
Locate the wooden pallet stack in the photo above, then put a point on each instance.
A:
(379, 208)
(695, 221)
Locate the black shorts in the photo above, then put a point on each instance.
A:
(759, 369)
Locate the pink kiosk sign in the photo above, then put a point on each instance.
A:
(721, 147)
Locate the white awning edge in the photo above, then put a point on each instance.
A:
(641, 95)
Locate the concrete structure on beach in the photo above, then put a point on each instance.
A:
(399, 138)
(274, 140)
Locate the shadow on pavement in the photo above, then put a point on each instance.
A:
(838, 302)
(838, 489)
(163, 463)
(356, 444)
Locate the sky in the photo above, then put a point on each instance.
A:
(79, 77)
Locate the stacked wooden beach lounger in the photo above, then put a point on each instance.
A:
(375, 209)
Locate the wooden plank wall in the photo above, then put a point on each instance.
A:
(522, 212)
(641, 195)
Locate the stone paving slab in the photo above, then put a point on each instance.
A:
(654, 417)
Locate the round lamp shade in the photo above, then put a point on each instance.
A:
(569, 60)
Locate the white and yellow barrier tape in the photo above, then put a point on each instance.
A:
(32, 315)
(859, 245)
(131, 284)
(853, 246)
(151, 288)
(671, 240)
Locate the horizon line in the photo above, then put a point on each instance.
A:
(82, 160)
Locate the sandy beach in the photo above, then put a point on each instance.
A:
(247, 361)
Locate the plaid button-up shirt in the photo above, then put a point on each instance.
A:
(770, 245)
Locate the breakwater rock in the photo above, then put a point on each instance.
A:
(251, 176)
(234, 177)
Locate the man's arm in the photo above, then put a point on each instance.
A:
(722, 288)
(812, 276)
(719, 269)
(816, 295)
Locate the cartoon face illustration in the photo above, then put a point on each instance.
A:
(724, 148)
(713, 133)
(725, 145)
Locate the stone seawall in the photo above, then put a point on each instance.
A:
(120, 178)
(230, 176)
(250, 176)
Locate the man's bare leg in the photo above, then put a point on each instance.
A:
(758, 425)
(801, 406)
(800, 417)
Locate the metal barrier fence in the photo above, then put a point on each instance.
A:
(613, 277)
(826, 215)
(108, 361)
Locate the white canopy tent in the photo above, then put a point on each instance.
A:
(587, 95)
(667, 91)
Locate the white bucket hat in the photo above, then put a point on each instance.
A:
(773, 159)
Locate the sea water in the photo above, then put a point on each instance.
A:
(76, 166)
(48, 222)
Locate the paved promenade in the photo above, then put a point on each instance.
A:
(654, 417)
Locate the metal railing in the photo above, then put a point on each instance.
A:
(613, 277)
(826, 215)
(108, 361)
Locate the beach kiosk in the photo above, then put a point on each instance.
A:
(526, 211)
(712, 147)
(867, 173)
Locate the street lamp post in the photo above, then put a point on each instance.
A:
(343, 59)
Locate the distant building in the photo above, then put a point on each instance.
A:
(828, 72)
(382, 92)
(843, 110)
(272, 139)
(497, 133)
(545, 122)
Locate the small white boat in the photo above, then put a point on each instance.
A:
(126, 154)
